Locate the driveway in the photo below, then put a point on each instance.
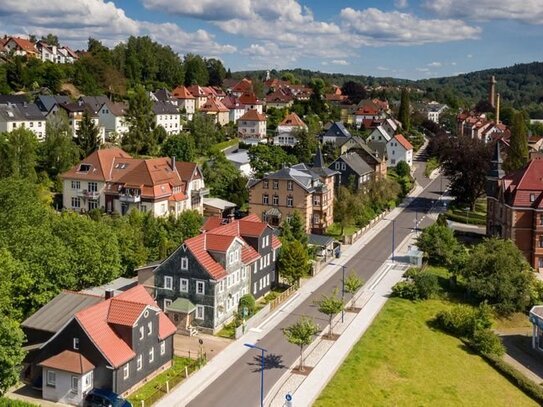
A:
(189, 346)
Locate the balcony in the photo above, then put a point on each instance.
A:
(129, 198)
(200, 192)
(84, 193)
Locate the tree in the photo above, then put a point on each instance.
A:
(439, 244)
(404, 112)
(224, 180)
(88, 136)
(330, 306)
(498, 272)
(344, 212)
(141, 122)
(354, 90)
(50, 39)
(180, 146)
(11, 353)
(216, 71)
(301, 333)
(195, 71)
(18, 154)
(293, 262)
(353, 283)
(403, 169)
(306, 146)
(204, 131)
(294, 229)
(517, 156)
(267, 158)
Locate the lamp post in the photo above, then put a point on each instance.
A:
(393, 237)
(342, 288)
(250, 345)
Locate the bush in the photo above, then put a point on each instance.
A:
(249, 302)
(402, 169)
(405, 289)
(420, 285)
(486, 342)
(427, 285)
(463, 321)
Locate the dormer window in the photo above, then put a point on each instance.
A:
(184, 263)
(532, 197)
(84, 168)
(76, 343)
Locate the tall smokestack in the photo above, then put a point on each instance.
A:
(173, 162)
(498, 108)
(492, 91)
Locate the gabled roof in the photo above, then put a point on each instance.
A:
(232, 102)
(383, 132)
(162, 107)
(118, 109)
(100, 165)
(12, 99)
(181, 92)
(355, 162)
(249, 99)
(197, 91)
(48, 101)
(162, 95)
(403, 142)
(24, 44)
(337, 129)
(214, 106)
(253, 115)
(293, 120)
(245, 85)
(68, 361)
(124, 312)
(95, 102)
(279, 96)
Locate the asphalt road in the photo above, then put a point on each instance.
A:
(240, 384)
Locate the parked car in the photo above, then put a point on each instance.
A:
(104, 398)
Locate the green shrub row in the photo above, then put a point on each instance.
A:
(419, 285)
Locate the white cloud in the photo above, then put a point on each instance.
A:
(422, 69)
(383, 68)
(401, 3)
(453, 63)
(75, 21)
(204, 9)
(469, 56)
(529, 11)
(435, 64)
(339, 62)
(376, 27)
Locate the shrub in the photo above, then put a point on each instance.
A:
(249, 302)
(427, 285)
(486, 342)
(420, 285)
(405, 289)
(403, 169)
(463, 321)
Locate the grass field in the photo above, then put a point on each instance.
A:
(477, 217)
(334, 230)
(401, 361)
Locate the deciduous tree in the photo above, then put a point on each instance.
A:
(330, 306)
(18, 154)
(301, 333)
(180, 146)
(141, 122)
(293, 262)
(11, 353)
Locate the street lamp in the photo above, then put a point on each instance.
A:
(250, 345)
(342, 289)
(393, 236)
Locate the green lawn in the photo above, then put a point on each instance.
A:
(401, 361)
(334, 230)
(477, 217)
(431, 165)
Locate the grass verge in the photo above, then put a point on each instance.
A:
(334, 230)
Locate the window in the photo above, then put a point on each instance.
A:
(244, 273)
(88, 379)
(541, 219)
(126, 371)
(275, 184)
(76, 185)
(184, 263)
(168, 283)
(93, 186)
(142, 332)
(151, 355)
(265, 199)
(541, 241)
(200, 287)
(162, 347)
(273, 255)
(338, 165)
(275, 200)
(532, 197)
(290, 185)
(51, 378)
(167, 303)
(316, 219)
(149, 328)
(290, 201)
(139, 363)
(75, 384)
(265, 184)
(76, 202)
(237, 276)
(76, 343)
(316, 200)
(254, 288)
(199, 312)
(184, 285)
(93, 204)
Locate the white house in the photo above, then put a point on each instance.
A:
(185, 100)
(399, 149)
(252, 125)
(240, 158)
(112, 117)
(434, 111)
(167, 116)
(236, 108)
(380, 135)
(287, 129)
(26, 116)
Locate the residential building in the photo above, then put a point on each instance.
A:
(215, 108)
(251, 102)
(337, 134)
(114, 181)
(240, 159)
(236, 109)
(515, 207)
(200, 95)
(185, 100)
(75, 113)
(373, 158)
(353, 171)
(399, 149)
(242, 87)
(111, 116)
(20, 46)
(218, 207)
(13, 99)
(49, 103)
(368, 110)
(380, 135)
(55, 54)
(95, 102)
(308, 190)
(25, 115)
(115, 342)
(167, 115)
(252, 126)
(279, 99)
(434, 110)
(200, 284)
(287, 130)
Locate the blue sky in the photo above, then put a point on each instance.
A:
(400, 38)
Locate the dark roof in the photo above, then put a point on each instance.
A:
(13, 99)
(355, 162)
(46, 102)
(164, 108)
(95, 102)
(31, 111)
(319, 240)
(162, 95)
(361, 143)
(337, 129)
(53, 315)
(380, 148)
(318, 160)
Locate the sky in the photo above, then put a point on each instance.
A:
(409, 39)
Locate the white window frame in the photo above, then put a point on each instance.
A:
(76, 185)
(139, 363)
(244, 273)
(168, 279)
(200, 287)
(151, 354)
(167, 303)
(126, 371)
(184, 285)
(76, 388)
(162, 347)
(184, 263)
(51, 378)
(200, 312)
(254, 287)
(149, 327)
(142, 332)
(76, 343)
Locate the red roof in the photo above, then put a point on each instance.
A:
(254, 116)
(249, 255)
(68, 361)
(197, 247)
(124, 312)
(182, 92)
(214, 106)
(279, 96)
(249, 99)
(292, 120)
(403, 141)
(218, 243)
(24, 44)
(245, 85)
(525, 187)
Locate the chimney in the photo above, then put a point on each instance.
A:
(173, 162)
(498, 108)
(109, 294)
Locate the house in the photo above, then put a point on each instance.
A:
(236, 108)
(95, 102)
(514, 207)
(337, 134)
(380, 135)
(368, 110)
(202, 281)
(308, 190)
(200, 95)
(252, 126)
(20, 46)
(185, 100)
(434, 110)
(116, 342)
(48, 103)
(13, 99)
(162, 95)
(25, 115)
(242, 87)
(114, 181)
(240, 159)
(399, 149)
(279, 99)
(353, 171)
(251, 102)
(75, 113)
(111, 116)
(288, 129)
(167, 116)
(372, 157)
(216, 109)
(218, 207)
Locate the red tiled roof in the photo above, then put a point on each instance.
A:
(403, 141)
(231, 102)
(245, 85)
(218, 243)
(525, 187)
(279, 96)
(198, 249)
(292, 120)
(249, 99)
(68, 361)
(196, 91)
(214, 105)
(276, 243)
(24, 44)
(124, 312)
(249, 255)
(182, 92)
(253, 115)
(101, 162)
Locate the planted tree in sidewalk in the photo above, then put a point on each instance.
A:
(330, 306)
(301, 333)
(353, 283)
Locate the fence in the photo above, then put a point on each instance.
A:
(350, 239)
(282, 297)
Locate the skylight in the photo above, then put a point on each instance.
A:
(84, 168)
